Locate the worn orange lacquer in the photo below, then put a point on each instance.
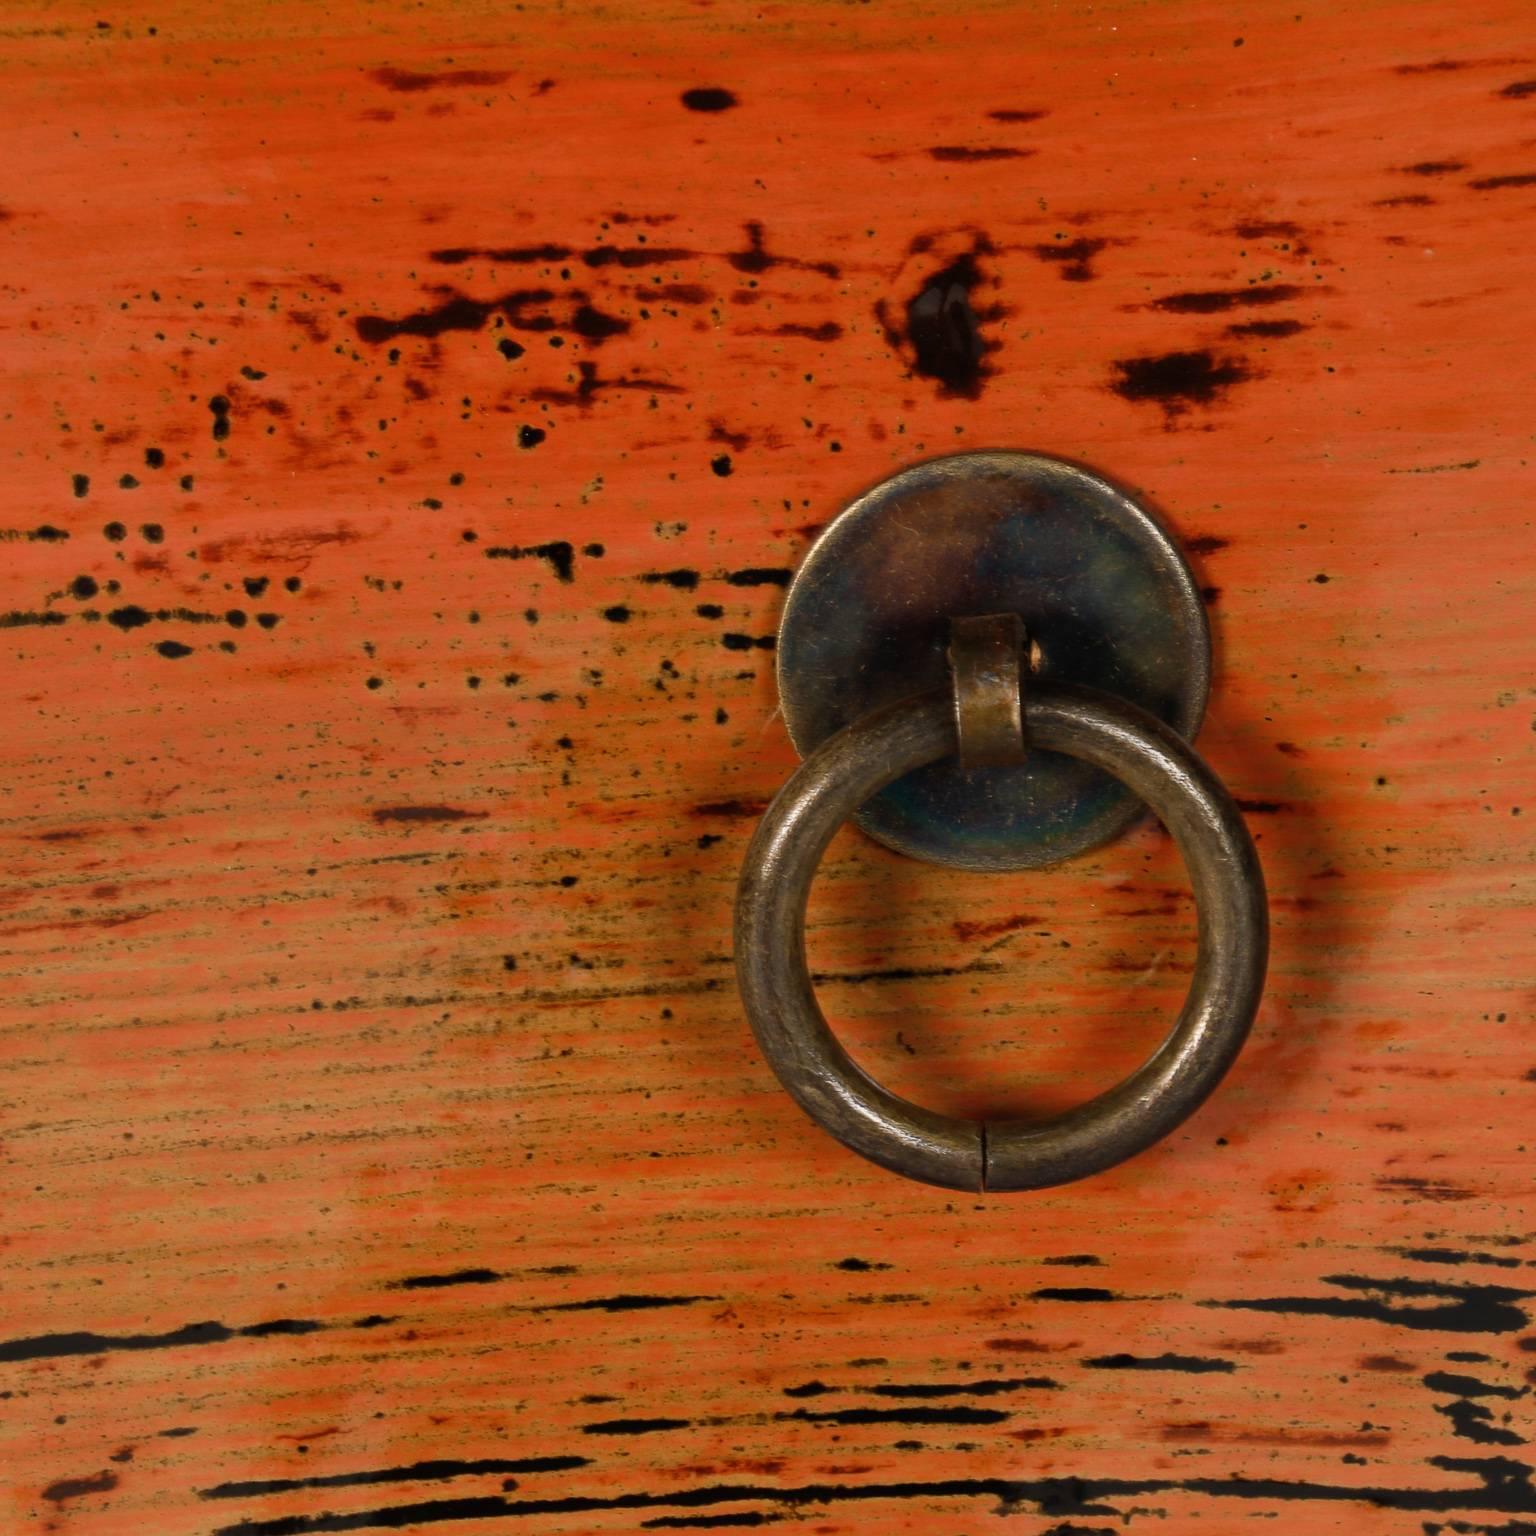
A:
(411, 415)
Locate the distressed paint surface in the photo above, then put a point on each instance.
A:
(410, 415)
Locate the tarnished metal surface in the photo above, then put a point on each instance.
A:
(1020, 1153)
(987, 665)
(1107, 599)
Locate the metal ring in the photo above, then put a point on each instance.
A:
(780, 1001)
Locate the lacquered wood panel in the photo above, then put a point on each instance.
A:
(410, 416)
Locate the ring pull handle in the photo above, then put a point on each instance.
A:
(991, 721)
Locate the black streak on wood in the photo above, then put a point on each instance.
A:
(1074, 1293)
(1496, 183)
(968, 1416)
(624, 1303)
(1455, 1256)
(1213, 301)
(962, 154)
(416, 1472)
(1499, 1484)
(78, 1487)
(410, 80)
(54, 1346)
(457, 255)
(992, 1387)
(454, 1277)
(635, 256)
(1194, 1365)
(746, 1518)
(634, 1426)
(1448, 1308)
(1270, 330)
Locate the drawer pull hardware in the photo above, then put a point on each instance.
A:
(998, 715)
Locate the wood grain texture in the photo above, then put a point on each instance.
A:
(410, 415)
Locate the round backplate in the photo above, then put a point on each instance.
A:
(1104, 594)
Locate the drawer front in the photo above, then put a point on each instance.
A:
(412, 418)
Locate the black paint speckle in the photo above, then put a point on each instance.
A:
(558, 552)
(1178, 380)
(1074, 258)
(594, 325)
(709, 98)
(174, 650)
(530, 437)
(721, 464)
(219, 405)
(944, 329)
(684, 580)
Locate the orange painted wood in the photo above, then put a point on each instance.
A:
(408, 416)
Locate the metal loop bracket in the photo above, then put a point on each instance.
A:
(1153, 762)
